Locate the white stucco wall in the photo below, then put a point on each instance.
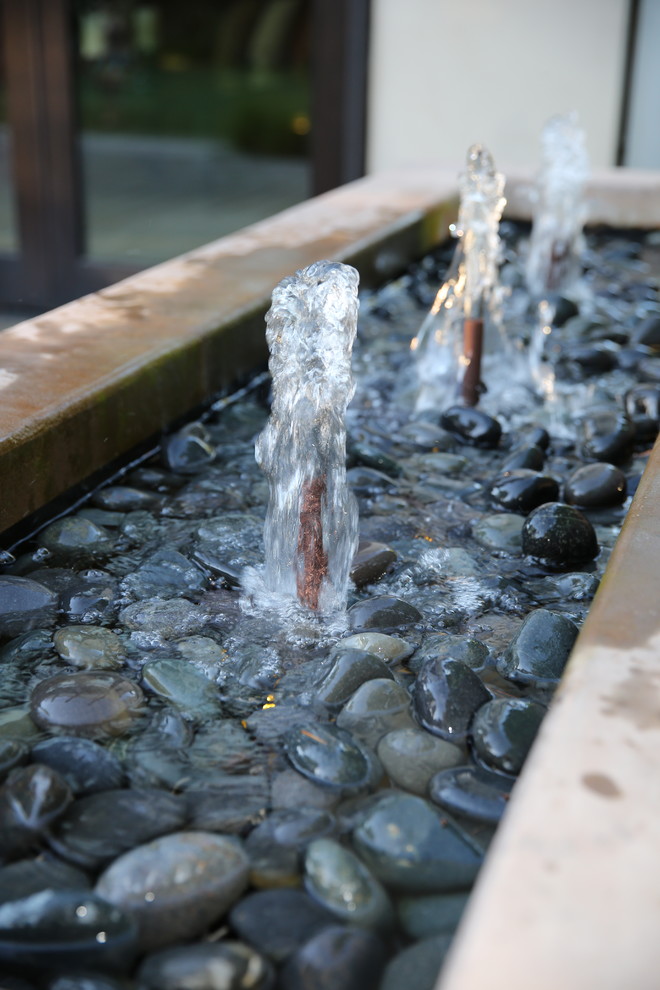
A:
(643, 138)
(447, 73)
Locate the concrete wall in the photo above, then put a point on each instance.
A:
(447, 73)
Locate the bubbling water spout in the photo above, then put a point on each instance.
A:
(553, 262)
(311, 529)
(450, 342)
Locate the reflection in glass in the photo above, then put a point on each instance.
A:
(8, 239)
(194, 119)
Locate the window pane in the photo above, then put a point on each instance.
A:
(194, 119)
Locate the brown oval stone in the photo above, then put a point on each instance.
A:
(94, 703)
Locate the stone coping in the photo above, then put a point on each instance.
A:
(569, 895)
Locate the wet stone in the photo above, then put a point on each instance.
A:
(576, 587)
(337, 958)
(176, 886)
(291, 790)
(278, 922)
(426, 436)
(503, 731)
(123, 498)
(331, 757)
(500, 532)
(225, 965)
(648, 332)
(404, 842)
(435, 914)
(88, 704)
(371, 561)
(410, 757)
(439, 646)
(76, 539)
(16, 723)
(24, 603)
(350, 669)
(90, 597)
(596, 485)
(276, 844)
(388, 648)
(365, 481)
(446, 695)
(13, 753)
(89, 646)
(385, 613)
(607, 435)
(183, 686)
(540, 650)
(230, 803)
(643, 403)
(30, 876)
(471, 792)
(527, 456)
(370, 456)
(523, 490)
(56, 930)
(35, 644)
(167, 573)
(169, 619)
(224, 564)
(341, 883)
(417, 966)
(98, 828)
(189, 450)
(376, 708)
(472, 426)
(36, 796)
(559, 536)
(86, 766)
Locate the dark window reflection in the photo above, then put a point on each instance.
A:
(193, 118)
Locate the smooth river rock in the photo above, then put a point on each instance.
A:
(176, 886)
(446, 695)
(540, 649)
(559, 536)
(90, 704)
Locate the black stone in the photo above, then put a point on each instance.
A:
(471, 792)
(13, 753)
(559, 536)
(596, 485)
(540, 649)
(607, 435)
(648, 332)
(56, 931)
(86, 766)
(472, 426)
(98, 828)
(523, 490)
(503, 731)
(528, 456)
(446, 695)
(338, 958)
(591, 359)
(330, 757)
(539, 436)
(383, 614)
(189, 450)
(371, 561)
(45, 872)
(279, 922)
(564, 310)
(221, 965)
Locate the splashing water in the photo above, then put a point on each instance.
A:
(311, 528)
(553, 263)
(445, 348)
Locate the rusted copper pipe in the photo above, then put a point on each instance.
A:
(312, 558)
(473, 336)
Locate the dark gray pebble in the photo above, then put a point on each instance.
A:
(471, 792)
(332, 758)
(55, 931)
(350, 669)
(189, 450)
(528, 456)
(100, 827)
(338, 958)
(540, 650)
(32, 875)
(23, 604)
(446, 695)
(410, 848)
(371, 561)
(607, 435)
(86, 766)
(503, 731)
(472, 426)
(385, 614)
(417, 966)
(225, 965)
(559, 536)
(123, 498)
(278, 922)
(13, 753)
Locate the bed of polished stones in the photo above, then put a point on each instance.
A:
(192, 796)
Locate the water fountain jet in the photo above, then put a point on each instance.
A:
(311, 525)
